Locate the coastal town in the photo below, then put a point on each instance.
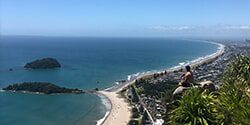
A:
(124, 62)
(146, 99)
(150, 96)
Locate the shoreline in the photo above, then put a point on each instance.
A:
(120, 110)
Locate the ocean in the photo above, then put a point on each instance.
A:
(87, 63)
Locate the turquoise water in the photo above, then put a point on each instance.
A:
(31, 109)
(86, 63)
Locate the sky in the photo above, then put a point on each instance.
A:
(142, 18)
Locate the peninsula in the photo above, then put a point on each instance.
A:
(41, 87)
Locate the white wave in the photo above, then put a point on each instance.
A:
(182, 63)
(1, 90)
(110, 88)
(220, 47)
(100, 121)
(107, 104)
(175, 68)
(137, 74)
(129, 77)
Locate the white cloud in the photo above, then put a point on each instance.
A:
(171, 28)
(201, 30)
(237, 27)
(167, 28)
(183, 27)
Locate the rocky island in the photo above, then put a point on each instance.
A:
(45, 63)
(41, 87)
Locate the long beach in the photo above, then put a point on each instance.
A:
(120, 110)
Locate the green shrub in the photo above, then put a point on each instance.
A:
(196, 108)
(238, 72)
(234, 100)
(230, 106)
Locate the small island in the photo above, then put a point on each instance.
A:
(45, 63)
(41, 87)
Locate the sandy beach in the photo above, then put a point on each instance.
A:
(120, 110)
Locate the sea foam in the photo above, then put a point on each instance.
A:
(108, 106)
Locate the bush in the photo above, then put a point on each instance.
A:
(230, 106)
(234, 99)
(238, 71)
(195, 107)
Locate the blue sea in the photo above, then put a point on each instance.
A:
(87, 63)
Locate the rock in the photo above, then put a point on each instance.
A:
(179, 90)
(209, 85)
(45, 63)
(206, 85)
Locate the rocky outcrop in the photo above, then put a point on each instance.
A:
(45, 63)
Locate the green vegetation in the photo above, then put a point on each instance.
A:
(162, 90)
(146, 87)
(135, 97)
(234, 96)
(140, 121)
(229, 106)
(46, 88)
(195, 107)
(45, 63)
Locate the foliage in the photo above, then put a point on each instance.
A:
(234, 99)
(230, 106)
(45, 63)
(42, 87)
(158, 90)
(238, 71)
(140, 90)
(140, 121)
(195, 108)
(167, 95)
(135, 97)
